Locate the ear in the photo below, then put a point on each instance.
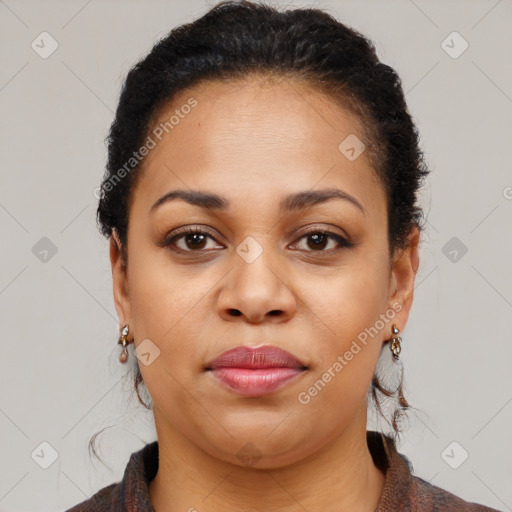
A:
(403, 273)
(119, 280)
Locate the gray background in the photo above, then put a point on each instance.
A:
(60, 379)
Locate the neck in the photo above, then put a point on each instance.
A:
(340, 477)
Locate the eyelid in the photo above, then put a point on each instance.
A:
(328, 230)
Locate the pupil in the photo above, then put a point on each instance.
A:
(195, 237)
(316, 238)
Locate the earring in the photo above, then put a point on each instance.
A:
(396, 341)
(123, 340)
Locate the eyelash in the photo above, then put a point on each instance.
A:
(168, 242)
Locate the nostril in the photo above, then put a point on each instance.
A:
(235, 312)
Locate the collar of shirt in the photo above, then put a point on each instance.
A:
(401, 492)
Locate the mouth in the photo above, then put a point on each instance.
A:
(255, 371)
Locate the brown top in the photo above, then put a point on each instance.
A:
(402, 491)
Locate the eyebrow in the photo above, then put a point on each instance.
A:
(292, 202)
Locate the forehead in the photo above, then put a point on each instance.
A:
(256, 137)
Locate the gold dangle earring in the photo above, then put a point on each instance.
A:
(396, 341)
(123, 340)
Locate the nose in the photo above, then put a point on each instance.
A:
(255, 292)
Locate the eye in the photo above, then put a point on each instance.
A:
(320, 239)
(194, 239)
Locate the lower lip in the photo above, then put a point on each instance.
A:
(255, 382)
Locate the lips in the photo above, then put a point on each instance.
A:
(256, 358)
(255, 371)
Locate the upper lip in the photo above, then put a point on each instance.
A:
(267, 356)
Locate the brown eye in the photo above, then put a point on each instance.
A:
(317, 240)
(193, 239)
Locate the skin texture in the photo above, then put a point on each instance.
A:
(255, 141)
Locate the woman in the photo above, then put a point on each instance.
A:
(261, 204)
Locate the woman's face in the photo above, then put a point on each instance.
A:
(260, 272)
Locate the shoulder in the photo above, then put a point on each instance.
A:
(132, 492)
(433, 499)
(403, 491)
(105, 500)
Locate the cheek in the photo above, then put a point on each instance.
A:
(347, 311)
(162, 293)
(351, 299)
(166, 308)
(338, 385)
